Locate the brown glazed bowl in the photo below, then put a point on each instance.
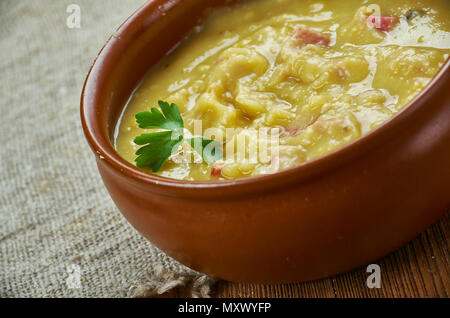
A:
(325, 217)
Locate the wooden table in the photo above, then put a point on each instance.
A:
(419, 269)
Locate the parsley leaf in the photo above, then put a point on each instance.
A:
(159, 146)
(170, 118)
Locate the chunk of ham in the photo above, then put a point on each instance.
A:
(382, 23)
(308, 36)
(289, 132)
(216, 171)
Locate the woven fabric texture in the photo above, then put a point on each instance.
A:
(60, 233)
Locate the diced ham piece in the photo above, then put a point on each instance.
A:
(308, 36)
(382, 23)
(216, 171)
(289, 132)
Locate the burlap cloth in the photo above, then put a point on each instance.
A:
(58, 225)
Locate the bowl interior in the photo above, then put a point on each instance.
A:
(139, 44)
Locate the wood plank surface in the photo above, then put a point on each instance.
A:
(419, 269)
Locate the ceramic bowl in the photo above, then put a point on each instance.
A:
(325, 217)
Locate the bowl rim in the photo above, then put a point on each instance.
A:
(105, 151)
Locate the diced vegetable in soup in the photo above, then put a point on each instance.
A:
(292, 79)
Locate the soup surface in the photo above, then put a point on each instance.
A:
(323, 73)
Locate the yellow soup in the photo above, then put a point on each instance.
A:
(305, 76)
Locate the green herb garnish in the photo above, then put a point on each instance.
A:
(159, 146)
